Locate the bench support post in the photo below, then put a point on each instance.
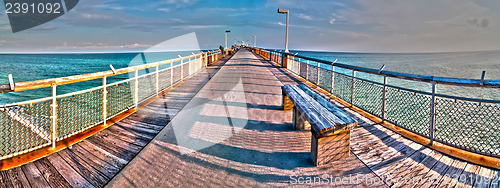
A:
(330, 148)
(286, 104)
(299, 122)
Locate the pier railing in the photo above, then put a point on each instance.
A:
(466, 123)
(30, 125)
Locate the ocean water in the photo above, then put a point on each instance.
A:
(29, 67)
(467, 65)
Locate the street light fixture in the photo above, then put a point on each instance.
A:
(254, 40)
(285, 11)
(225, 33)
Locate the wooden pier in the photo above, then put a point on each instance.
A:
(145, 149)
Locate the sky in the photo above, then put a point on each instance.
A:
(396, 26)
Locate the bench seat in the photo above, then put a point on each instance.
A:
(330, 126)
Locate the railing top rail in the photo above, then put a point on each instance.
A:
(29, 85)
(414, 77)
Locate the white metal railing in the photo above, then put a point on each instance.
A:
(467, 123)
(23, 124)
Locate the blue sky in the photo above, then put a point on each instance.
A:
(354, 26)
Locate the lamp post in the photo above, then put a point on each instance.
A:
(225, 33)
(254, 40)
(285, 11)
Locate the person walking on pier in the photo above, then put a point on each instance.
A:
(222, 50)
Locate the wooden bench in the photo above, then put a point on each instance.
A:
(330, 126)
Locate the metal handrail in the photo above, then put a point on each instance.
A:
(414, 77)
(29, 85)
(423, 92)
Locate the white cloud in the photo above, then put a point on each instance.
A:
(337, 16)
(297, 26)
(87, 45)
(425, 25)
(180, 3)
(164, 9)
(300, 4)
(305, 17)
(408, 15)
(198, 26)
(218, 9)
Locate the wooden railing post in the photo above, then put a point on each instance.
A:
(54, 115)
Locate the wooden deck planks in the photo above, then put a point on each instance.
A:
(370, 149)
(484, 178)
(450, 178)
(420, 170)
(495, 176)
(368, 137)
(92, 175)
(51, 175)
(102, 153)
(101, 166)
(391, 150)
(129, 137)
(70, 175)
(434, 175)
(121, 130)
(4, 179)
(402, 168)
(469, 175)
(119, 140)
(124, 153)
(390, 160)
(17, 177)
(35, 178)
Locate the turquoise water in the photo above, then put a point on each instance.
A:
(468, 65)
(29, 67)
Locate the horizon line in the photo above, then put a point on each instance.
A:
(365, 52)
